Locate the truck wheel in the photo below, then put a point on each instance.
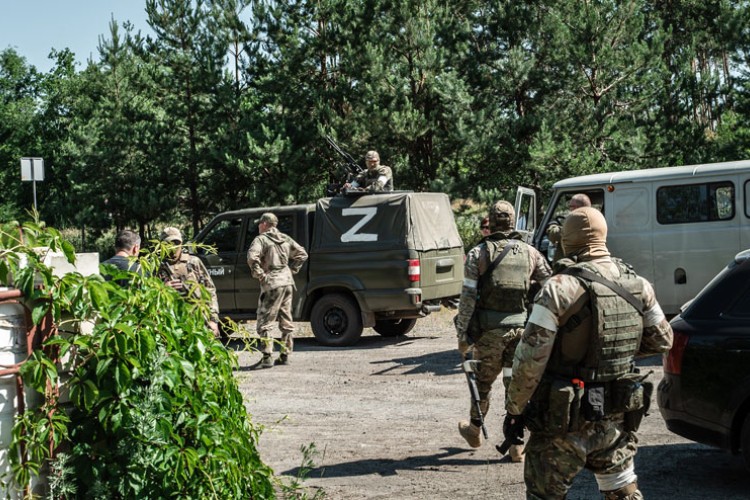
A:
(336, 320)
(394, 327)
(745, 441)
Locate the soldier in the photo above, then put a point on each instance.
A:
(378, 178)
(497, 276)
(484, 227)
(127, 248)
(553, 231)
(575, 368)
(184, 272)
(273, 258)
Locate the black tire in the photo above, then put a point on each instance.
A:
(336, 320)
(745, 441)
(394, 327)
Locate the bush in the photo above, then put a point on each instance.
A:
(154, 409)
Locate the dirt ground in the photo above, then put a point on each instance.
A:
(382, 416)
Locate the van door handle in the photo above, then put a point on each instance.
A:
(448, 263)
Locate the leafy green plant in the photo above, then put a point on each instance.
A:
(154, 410)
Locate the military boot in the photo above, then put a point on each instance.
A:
(516, 453)
(282, 360)
(267, 361)
(470, 433)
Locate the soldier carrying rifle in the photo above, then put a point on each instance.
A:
(376, 179)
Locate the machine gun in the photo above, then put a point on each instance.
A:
(350, 169)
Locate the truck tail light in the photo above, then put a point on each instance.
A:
(414, 269)
(673, 359)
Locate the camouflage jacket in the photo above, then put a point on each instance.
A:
(561, 297)
(376, 180)
(273, 258)
(190, 270)
(477, 262)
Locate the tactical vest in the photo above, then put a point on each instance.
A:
(503, 294)
(599, 343)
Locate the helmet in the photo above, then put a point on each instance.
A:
(502, 216)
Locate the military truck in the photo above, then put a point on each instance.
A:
(375, 260)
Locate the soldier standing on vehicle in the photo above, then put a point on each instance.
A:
(273, 258)
(377, 178)
(497, 276)
(184, 272)
(574, 367)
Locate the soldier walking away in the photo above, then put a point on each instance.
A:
(377, 178)
(127, 248)
(184, 272)
(273, 258)
(497, 275)
(575, 385)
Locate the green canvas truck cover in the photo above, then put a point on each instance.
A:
(388, 221)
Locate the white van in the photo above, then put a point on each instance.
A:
(677, 226)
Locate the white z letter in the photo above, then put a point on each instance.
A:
(352, 235)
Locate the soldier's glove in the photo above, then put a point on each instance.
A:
(513, 428)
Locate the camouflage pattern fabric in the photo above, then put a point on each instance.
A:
(494, 351)
(378, 179)
(273, 304)
(552, 462)
(561, 297)
(190, 270)
(274, 258)
(477, 262)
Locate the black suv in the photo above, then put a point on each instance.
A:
(705, 393)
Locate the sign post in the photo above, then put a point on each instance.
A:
(32, 169)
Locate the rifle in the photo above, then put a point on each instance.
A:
(351, 166)
(468, 368)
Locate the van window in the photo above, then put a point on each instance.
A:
(224, 235)
(695, 203)
(747, 198)
(561, 208)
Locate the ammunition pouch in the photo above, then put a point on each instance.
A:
(558, 406)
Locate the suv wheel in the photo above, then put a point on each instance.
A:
(336, 320)
(394, 327)
(745, 443)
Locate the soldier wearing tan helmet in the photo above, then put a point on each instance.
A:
(377, 178)
(575, 385)
(497, 276)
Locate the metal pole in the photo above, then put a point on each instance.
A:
(33, 182)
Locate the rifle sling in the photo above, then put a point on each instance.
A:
(585, 274)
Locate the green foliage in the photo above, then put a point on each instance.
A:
(154, 410)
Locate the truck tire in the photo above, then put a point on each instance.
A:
(336, 320)
(394, 327)
(745, 441)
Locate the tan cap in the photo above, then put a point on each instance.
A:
(171, 234)
(267, 217)
(502, 216)
(584, 233)
(372, 156)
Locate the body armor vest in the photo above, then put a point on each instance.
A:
(503, 294)
(599, 343)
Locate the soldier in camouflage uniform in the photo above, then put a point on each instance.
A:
(500, 306)
(273, 258)
(378, 178)
(575, 385)
(184, 272)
